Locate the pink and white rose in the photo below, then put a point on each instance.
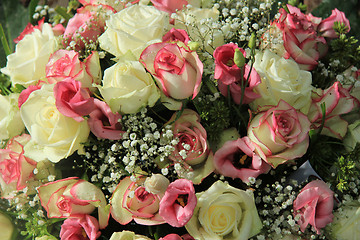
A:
(314, 204)
(178, 203)
(72, 100)
(301, 41)
(16, 170)
(177, 69)
(73, 198)
(64, 64)
(176, 35)
(236, 159)
(130, 200)
(192, 151)
(280, 134)
(337, 101)
(104, 123)
(326, 26)
(82, 228)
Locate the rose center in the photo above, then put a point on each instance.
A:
(241, 160)
(182, 199)
(9, 170)
(64, 204)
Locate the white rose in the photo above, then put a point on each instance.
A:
(156, 184)
(10, 120)
(346, 223)
(224, 212)
(281, 79)
(53, 135)
(6, 227)
(127, 87)
(197, 30)
(26, 65)
(127, 235)
(133, 29)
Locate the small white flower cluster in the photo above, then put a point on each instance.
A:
(28, 210)
(42, 11)
(143, 149)
(241, 18)
(274, 203)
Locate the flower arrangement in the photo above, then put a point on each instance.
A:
(186, 119)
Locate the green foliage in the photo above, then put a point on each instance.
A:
(13, 18)
(215, 116)
(347, 168)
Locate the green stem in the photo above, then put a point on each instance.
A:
(4, 41)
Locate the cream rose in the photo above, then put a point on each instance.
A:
(133, 29)
(127, 235)
(127, 87)
(53, 135)
(10, 120)
(156, 184)
(346, 222)
(281, 79)
(224, 212)
(6, 227)
(27, 64)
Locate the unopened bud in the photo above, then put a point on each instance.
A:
(239, 58)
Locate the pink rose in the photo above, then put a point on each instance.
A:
(104, 123)
(280, 134)
(63, 64)
(83, 228)
(174, 236)
(130, 200)
(73, 197)
(57, 29)
(176, 35)
(193, 150)
(337, 101)
(178, 204)
(169, 6)
(16, 170)
(300, 38)
(235, 87)
(71, 100)
(226, 71)
(326, 25)
(237, 159)
(177, 70)
(314, 204)
(85, 26)
(229, 74)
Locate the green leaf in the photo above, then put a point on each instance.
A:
(4, 41)
(32, 7)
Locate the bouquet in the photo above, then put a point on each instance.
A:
(180, 119)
